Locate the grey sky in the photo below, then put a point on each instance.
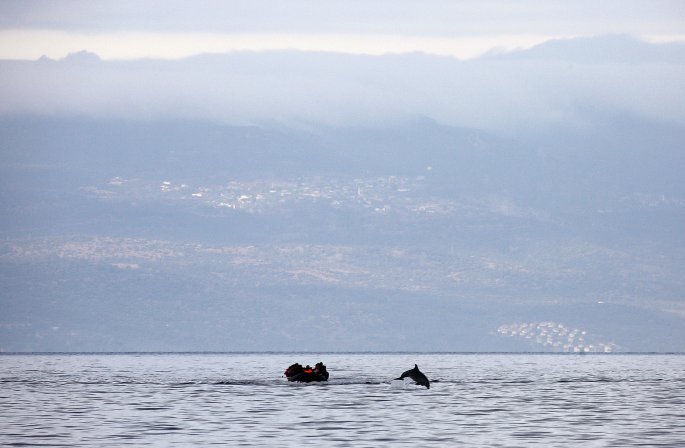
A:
(427, 18)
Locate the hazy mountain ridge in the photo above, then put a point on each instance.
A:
(383, 230)
(585, 49)
(521, 90)
(600, 50)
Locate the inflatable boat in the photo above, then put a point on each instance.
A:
(306, 374)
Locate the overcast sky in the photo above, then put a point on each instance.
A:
(116, 29)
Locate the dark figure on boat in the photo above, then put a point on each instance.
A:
(306, 374)
(418, 377)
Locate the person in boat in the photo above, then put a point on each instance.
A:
(320, 369)
(295, 369)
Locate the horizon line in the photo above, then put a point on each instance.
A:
(366, 352)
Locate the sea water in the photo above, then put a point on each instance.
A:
(244, 400)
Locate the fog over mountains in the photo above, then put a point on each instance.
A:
(320, 201)
(564, 82)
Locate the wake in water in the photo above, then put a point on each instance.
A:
(273, 382)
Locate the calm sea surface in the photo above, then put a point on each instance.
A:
(244, 400)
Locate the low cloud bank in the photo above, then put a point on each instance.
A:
(566, 82)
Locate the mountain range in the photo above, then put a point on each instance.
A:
(287, 201)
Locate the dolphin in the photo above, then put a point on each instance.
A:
(418, 377)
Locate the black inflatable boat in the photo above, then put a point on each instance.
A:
(306, 374)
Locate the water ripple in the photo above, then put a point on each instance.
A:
(243, 400)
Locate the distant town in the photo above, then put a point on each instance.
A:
(554, 336)
(385, 195)
(380, 195)
(374, 245)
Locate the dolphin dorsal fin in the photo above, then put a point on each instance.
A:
(416, 367)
